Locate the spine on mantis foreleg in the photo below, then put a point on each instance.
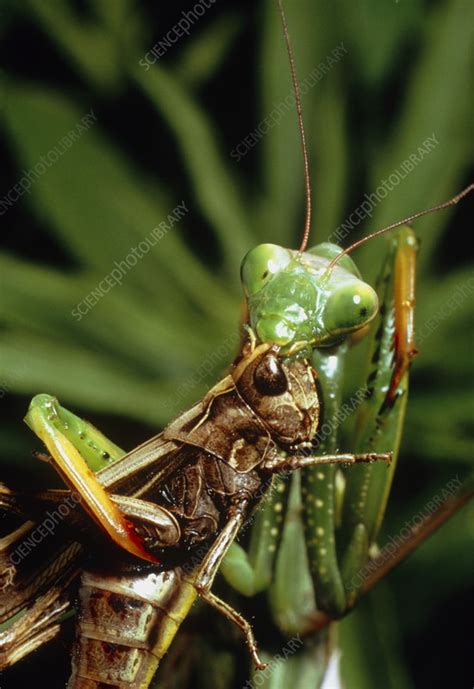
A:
(380, 416)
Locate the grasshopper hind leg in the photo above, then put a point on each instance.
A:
(53, 424)
(240, 621)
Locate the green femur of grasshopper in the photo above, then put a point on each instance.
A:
(293, 298)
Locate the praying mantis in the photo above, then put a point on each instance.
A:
(287, 331)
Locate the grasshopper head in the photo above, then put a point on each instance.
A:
(292, 298)
(282, 393)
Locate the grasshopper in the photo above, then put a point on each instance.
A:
(183, 496)
(194, 484)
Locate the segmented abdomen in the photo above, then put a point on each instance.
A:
(126, 624)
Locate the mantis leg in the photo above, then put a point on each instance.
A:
(208, 571)
(380, 416)
(360, 495)
(50, 422)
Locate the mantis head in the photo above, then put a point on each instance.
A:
(293, 298)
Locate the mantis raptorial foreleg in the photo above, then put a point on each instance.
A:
(380, 415)
(360, 499)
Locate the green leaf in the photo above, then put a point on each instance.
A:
(203, 54)
(44, 301)
(90, 47)
(75, 376)
(389, 26)
(112, 214)
(216, 190)
(437, 103)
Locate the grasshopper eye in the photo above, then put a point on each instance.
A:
(260, 264)
(349, 308)
(269, 377)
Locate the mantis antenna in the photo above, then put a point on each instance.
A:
(410, 218)
(294, 78)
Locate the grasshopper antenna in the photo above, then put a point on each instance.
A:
(410, 218)
(294, 78)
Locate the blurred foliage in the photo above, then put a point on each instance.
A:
(154, 344)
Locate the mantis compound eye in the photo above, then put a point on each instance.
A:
(349, 308)
(260, 264)
(269, 377)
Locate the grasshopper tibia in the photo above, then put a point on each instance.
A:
(295, 462)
